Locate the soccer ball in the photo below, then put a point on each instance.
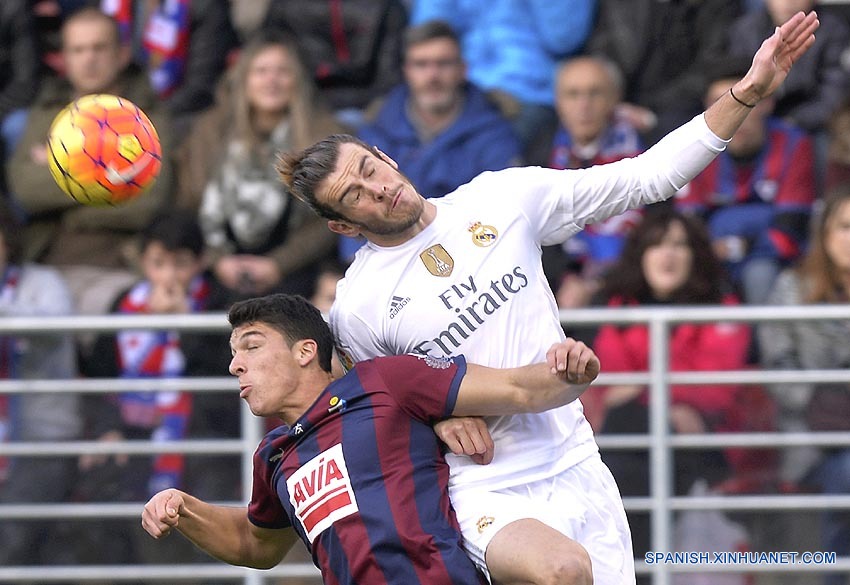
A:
(103, 150)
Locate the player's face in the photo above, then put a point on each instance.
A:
(586, 98)
(667, 265)
(434, 72)
(837, 238)
(372, 195)
(92, 54)
(267, 371)
(270, 81)
(169, 269)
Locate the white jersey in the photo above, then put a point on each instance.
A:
(472, 283)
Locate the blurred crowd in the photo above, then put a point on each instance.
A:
(448, 89)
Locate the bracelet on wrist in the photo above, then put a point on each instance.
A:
(734, 97)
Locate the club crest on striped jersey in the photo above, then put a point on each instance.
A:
(436, 362)
(437, 260)
(320, 491)
(483, 235)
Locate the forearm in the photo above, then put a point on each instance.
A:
(726, 115)
(540, 389)
(492, 392)
(226, 534)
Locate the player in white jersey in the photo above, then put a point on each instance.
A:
(462, 274)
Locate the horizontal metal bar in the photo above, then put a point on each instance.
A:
(620, 315)
(191, 446)
(184, 572)
(100, 385)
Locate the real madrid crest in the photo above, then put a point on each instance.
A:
(483, 235)
(437, 260)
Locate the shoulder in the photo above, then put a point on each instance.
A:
(788, 288)
(39, 276)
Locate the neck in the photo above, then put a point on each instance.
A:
(432, 121)
(266, 122)
(300, 401)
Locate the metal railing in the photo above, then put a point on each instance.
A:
(661, 503)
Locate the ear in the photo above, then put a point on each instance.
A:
(305, 351)
(343, 228)
(384, 157)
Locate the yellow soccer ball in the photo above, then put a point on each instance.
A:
(103, 150)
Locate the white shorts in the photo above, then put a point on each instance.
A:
(582, 502)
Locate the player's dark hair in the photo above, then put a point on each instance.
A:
(706, 284)
(302, 172)
(176, 230)
(292, 315)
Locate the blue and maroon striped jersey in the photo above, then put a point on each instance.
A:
(362, 479)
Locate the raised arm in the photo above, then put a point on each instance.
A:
(770, 67)
(224, 533)
(571, 367)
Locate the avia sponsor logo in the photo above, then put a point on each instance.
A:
(397, 304)
(320, 491)
(472, 313)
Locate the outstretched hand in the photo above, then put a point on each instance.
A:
(779, 52)
(573, 361)
(162, 512)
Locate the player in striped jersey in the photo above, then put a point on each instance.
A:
(357, 472)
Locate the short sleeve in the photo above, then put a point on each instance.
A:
(265, 509)
(425, 387)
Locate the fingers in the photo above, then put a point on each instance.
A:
(573, 360)
(467, 436)
(162, 513)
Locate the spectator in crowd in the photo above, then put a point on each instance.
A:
(88, 244)
(182, 45)
(820, 81)
(757, 195)
(440, 129)
(173, 283)
(663, 49)
(30, 290)
(511, 48)
(324, 288)
(587, 132)
(258, 237)
(352, 47)
(837, 171)
(667, 261)
(822, 277)
(19, 72)
(247, 17)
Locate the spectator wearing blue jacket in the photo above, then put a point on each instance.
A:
(440, 129)
(513, 46)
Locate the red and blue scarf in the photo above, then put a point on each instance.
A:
(157, 354)
(163, 38)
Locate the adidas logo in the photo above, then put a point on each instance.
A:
(397, 304)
